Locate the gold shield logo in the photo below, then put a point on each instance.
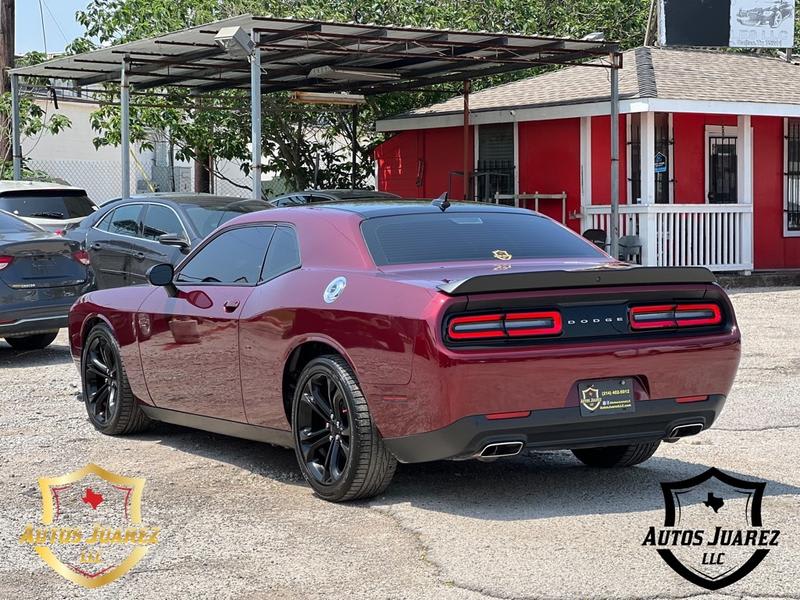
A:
(590, 398)
(501, 254)
(92, 531)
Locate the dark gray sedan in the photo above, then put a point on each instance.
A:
(124, 238)
(41, 275)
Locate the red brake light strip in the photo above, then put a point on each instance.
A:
(665, 316)
(505, 325)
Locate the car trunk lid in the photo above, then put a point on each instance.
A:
(40, 262)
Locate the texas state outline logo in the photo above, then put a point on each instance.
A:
(91, 530)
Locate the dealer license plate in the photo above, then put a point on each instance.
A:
(606, 396)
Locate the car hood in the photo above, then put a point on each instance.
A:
(435, 276)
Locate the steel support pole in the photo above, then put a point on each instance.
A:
(125, 127)
(255, 118)
(354, 149)
(467, 88)
(16, 146)
(614, 225)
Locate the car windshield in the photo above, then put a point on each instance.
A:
(206, 218)
(9, 224)
(464, 236)
(48, 204)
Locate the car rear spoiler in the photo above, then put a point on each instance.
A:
(543, 280)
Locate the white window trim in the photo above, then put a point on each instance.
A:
(628, 173)
(786, 231)
(670, 160)
(732, 131)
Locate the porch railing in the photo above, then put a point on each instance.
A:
(717, 236)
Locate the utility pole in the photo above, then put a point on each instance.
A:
(6, 63)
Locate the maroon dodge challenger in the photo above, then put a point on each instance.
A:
(362, 334)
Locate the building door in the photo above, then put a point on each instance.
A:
(495, 169)
(722, 179)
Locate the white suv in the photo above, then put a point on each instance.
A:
(52, 206)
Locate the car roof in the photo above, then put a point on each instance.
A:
(342, 193)
(187, 198)
(10, 186)
(387, 208)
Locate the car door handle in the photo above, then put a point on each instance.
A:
(231, 305)
(139, 255)
(96, 246)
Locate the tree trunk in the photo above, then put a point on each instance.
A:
(6, 62)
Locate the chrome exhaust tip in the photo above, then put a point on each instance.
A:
(500, 450)
(685, 430)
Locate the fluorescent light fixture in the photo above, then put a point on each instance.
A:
(325, 98)
(235, 41)
(352, 74)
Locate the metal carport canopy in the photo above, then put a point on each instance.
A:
(310, 56)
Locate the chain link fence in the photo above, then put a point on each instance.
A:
(101, 178)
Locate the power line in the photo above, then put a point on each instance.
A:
(52, 16)
(44, 33)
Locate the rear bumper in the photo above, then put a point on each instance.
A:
(557, 428)
(37, 320)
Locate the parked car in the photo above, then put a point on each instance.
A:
(52, 206)
(309, 196)
(363, 334)
(126, 237)
(41, 275)
(772, 14)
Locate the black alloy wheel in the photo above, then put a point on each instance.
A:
(338, 447)
(324, 432)
(101, 380)
(110, 403)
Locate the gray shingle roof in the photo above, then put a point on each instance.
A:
(669, 73)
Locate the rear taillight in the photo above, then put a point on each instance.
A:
(81, 256)
(477, 327)
(666, 316)
(508, 325)
(5, 261)
(60, 232)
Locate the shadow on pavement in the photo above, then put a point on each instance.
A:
(543, 485)
(54, 354)
(533, 486)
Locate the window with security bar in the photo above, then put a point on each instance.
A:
(792, 176)
(722, 169)
(495, 172)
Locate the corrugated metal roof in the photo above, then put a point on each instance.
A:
(400, 57)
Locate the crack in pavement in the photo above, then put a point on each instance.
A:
(772, 428)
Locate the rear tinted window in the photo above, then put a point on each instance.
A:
(124, 220)
(9, 224)
(160, 220)
(446, 237)
(47, 205)
(207, 218)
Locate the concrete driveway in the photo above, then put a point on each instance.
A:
(238, 521)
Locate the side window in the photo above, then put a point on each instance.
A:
(283, 255)
(125, 220)
(236, 256)
(159, 220)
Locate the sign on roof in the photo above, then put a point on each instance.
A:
(727, 23)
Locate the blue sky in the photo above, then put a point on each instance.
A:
(59, 24)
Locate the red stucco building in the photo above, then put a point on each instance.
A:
(709, 150)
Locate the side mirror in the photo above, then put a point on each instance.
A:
(161, 276)
(173, 239)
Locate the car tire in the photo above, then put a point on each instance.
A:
(616, 456)
(776, 21)
(340, 451)
(114, 411)
(39, 341)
